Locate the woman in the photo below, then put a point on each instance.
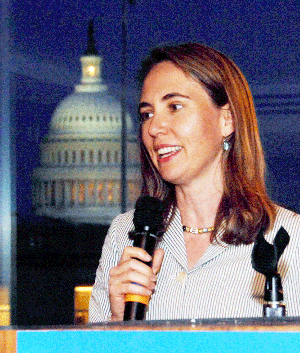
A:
(201, 154)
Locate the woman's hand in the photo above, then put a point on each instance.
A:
(132, 276)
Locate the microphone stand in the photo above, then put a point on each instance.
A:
(274, 305)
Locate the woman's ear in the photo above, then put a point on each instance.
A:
(227, 122)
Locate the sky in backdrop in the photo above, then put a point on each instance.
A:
(261, 36)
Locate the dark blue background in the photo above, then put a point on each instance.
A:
(49, 36)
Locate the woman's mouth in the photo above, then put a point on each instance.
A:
(167, 152)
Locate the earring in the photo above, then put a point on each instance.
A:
(225, 144)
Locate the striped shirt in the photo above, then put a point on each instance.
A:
(223, 283)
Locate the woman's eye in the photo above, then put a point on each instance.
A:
(175, 106)
(145, 116)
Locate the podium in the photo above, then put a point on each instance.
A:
(226, 335)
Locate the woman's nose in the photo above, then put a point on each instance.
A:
(157, 125)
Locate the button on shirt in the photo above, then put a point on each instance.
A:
(223, 283)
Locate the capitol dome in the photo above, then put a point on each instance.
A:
(91, 113)
(79, 178)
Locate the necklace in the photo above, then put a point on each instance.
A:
(197, 230)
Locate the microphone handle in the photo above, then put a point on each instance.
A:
(134, 311)
(136, 305)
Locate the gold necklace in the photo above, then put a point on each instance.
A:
(197, 230)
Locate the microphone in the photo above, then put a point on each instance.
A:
(148, 222)
(265, 257)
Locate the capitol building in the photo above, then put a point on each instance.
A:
(79, 177)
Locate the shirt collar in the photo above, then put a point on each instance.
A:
(173, 239)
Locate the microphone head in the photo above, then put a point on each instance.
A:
(149, 212)
(265, 256)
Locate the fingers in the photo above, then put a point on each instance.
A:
(157, 260)
(131, 271)
(133, 276)
(134, 252)
(131, 263)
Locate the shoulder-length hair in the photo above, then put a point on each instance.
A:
(245, 206)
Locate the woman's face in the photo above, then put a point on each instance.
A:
(181, 127)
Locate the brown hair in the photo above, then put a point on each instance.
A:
(245, 206)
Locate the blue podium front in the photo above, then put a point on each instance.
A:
(156, 341)
(211, 336)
